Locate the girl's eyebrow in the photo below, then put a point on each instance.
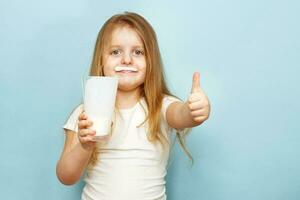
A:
(111, 46)
(118, 46)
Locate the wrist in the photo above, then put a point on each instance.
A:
(86, 149)
(186, 113)
(185, 110)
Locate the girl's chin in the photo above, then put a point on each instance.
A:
(125, 74)
(128, 86)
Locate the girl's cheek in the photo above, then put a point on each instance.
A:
(111, 62)
(138, 61)
(114, 60)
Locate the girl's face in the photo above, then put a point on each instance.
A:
(125, 57)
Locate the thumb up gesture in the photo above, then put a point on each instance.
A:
(198, 102)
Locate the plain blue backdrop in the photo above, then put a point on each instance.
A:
(247, 53)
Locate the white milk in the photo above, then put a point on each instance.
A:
(101, 124)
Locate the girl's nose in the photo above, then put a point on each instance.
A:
(126, 59)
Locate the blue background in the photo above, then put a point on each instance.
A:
(247, 53)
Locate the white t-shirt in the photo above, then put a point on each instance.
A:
(129, 167)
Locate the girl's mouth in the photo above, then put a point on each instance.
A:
(125, 70)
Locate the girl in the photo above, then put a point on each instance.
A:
(131, 163)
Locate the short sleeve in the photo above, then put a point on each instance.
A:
(72, 121)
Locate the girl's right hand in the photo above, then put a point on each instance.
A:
(86, 135)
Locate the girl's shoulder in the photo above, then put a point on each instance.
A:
(76, 111)
(71, 122)
(78, 108)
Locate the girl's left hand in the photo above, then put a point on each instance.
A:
(198, 102)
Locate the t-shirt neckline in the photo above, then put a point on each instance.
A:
(129, 110)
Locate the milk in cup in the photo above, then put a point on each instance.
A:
(99, 103)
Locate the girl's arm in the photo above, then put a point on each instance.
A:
(73, 160)
(191, 113)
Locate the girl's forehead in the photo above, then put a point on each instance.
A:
(122, 28)
(125, 35)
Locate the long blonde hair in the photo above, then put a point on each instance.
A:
(154, 87)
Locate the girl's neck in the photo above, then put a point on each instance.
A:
(127, 99)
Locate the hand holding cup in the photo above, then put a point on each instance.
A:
(86, 135)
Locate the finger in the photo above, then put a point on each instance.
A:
(200, 119)
(86, 132)
(84, 124)
(198, 113)
(194, 97)
(82, 116)
(195, 106)
(88, 139)
(196, 82)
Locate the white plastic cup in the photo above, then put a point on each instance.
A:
(99, 103)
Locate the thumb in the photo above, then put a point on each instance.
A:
(196, 82)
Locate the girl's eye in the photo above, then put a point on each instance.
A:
(115, 52)
(138, 52)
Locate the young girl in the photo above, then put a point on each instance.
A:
(131, 163)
